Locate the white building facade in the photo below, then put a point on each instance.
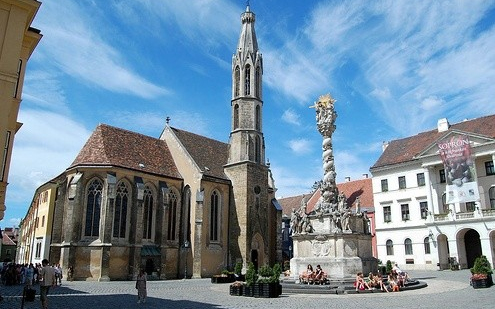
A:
(415, 226)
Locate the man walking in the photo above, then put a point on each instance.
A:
(47, 274)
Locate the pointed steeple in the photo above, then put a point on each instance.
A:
(247, 40)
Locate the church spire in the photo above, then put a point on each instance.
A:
(247, 40)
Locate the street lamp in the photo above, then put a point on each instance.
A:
(186, 246)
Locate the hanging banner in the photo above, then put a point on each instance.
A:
(460, 172)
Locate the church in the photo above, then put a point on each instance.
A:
(178, 206)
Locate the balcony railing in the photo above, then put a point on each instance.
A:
(484, 213)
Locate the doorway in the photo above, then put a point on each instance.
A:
(473, 246)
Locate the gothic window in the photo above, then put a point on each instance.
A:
(237, 81)
(258, 118)
(93, 207)
(441, 173)
(120, 211)
(148, 207)
(390, 247)
(214, 216)
(236, 116)
(257, 150)
(258, 82)
(408, 246)
(426, 242)
(491, 193)
(186, 211)
(172, 217)
(247, 80)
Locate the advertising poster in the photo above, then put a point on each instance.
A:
(460, 172)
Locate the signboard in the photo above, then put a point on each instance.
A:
(460, 172)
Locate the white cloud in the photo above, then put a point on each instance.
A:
(382, 94)
(300, 146)
(74, 46)
(291, 117)
(431, 103)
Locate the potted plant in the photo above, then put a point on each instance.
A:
(251, 278)
(481, 273)
(237, 288)
(225, 277)
(238, 272)
(268, 284)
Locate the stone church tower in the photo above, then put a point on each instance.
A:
(254, 215)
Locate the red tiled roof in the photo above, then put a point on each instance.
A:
(352, 189)
(7, 241)
(403, 150)
(210, 155)
(122, 148)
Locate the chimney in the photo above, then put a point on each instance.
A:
(443, 125)
(347, 179)
(365, 176)
(384, 146)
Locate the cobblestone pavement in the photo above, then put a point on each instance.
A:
(446, 289)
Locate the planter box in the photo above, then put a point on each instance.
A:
(249, 291)
(482, 283)
(267, 290)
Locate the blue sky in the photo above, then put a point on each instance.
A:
(394, 67)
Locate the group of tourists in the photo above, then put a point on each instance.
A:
(396, 280)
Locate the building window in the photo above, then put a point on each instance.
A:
(257, 150)
(489, 169)
(444, 203)
(236, 116)
(387, 214)
(402, 182)
(172, 217)
(3, 167)
(423, 208)
(390, 247)
(491, 193)
(93, 206)
(404, 208)
(258, 82)
(408, 246)
(426, 242)
(120, 211)
(258, 118)
(470, 206)
(384, 185)
(19, 70)
(421, 179)
(214, 216)
(247, 80)
(43, 221)
(237, 81)
(441, 173)
(148, 207)
(37, 252)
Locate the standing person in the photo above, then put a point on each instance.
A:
(58, 274)
(141, 286)
(29, 275)
(47, 275)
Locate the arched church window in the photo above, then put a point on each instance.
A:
(247, 80)
(408, 246)
(390, 247)
(236, 116)
(93, 207)
(237, 81)
(148, 215)
(258, 82)
(258, 118)
(120, 211)
(172, 217)
(214, 216)
(257, 151)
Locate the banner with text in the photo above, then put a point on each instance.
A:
(460, 172)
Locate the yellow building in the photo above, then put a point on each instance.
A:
(17, 42)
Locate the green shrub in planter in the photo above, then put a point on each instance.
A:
(251, 276)
(389, 267)
(238, 268)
